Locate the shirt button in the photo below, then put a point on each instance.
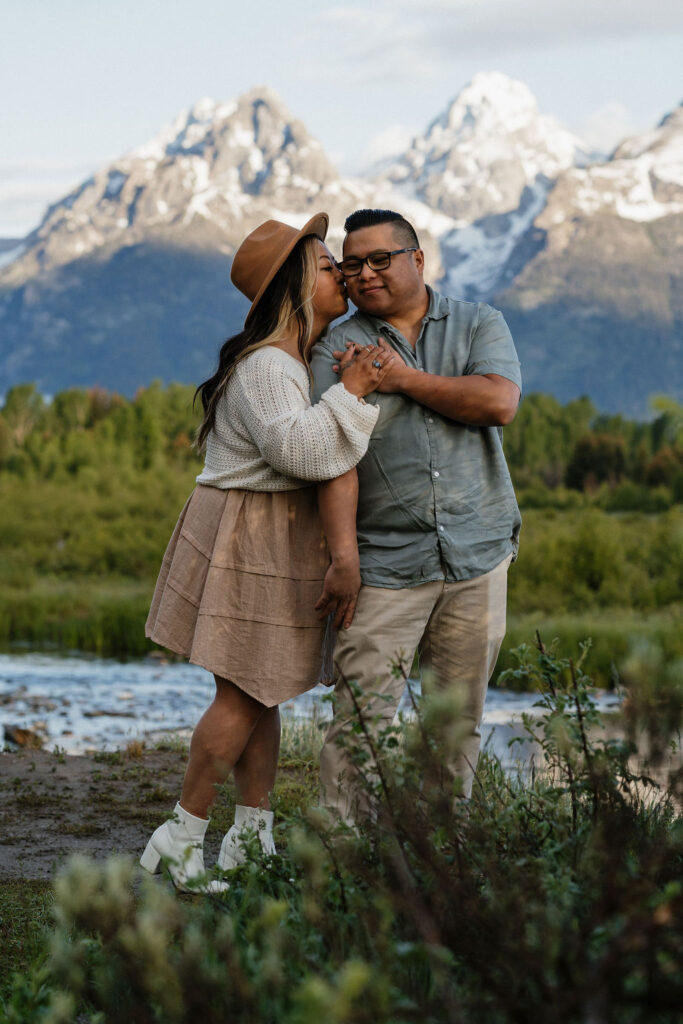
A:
(429, 419)
(441, 528)
(436, 473)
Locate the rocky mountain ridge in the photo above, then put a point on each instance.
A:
(509, 206)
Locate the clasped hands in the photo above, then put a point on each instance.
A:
(392, 379)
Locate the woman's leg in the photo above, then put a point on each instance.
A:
(254, 780)
(255, 770)
(218, 742)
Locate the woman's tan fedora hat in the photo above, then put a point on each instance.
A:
(263, 252)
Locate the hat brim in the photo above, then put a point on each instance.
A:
(316, 226)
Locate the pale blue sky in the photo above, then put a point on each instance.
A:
(83, 81)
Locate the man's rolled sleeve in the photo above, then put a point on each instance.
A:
(492, 349)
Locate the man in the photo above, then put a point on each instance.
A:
(437, 520)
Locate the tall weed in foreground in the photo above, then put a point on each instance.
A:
(554, 895)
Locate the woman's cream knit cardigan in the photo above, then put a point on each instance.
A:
(267, 435)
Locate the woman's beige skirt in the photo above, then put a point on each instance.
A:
(237, 589)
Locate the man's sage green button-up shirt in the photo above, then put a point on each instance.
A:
(436, 500)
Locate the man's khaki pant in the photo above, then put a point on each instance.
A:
(456, 627)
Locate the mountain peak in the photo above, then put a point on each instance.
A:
(484, 150)
(191, 128)
(641, 181)
(494, 96)
(667, 138)
(220, 163)
(259, 94)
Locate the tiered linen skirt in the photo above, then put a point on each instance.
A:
(237, 589)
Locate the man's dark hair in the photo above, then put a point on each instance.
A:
(369, 218)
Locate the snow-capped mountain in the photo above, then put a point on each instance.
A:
(600, 300)
(642, 180)
(474, 182)
(488, 162)
(212, 163)
(206, 180)
(626, 212)
(127, 274)
(489, 144)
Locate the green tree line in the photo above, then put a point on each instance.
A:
(552, 449)
(91, 484)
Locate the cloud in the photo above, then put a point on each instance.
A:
(392, 38)
(27, 189)
(392, 141)
(607, 126)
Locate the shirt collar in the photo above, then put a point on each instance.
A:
(438, 305)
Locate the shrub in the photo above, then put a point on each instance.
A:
(554, 894)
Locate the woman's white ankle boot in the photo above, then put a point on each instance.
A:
(246, 818)
(180, 842)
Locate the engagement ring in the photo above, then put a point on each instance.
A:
(376, 362)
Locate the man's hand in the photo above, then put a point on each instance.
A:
(395, 377)
(340, 592)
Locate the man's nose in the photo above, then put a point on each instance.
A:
(366, 272)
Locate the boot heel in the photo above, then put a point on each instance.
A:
(150, 859)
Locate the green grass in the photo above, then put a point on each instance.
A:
(107, 619)
(26, 905)
(615, 634)
(25, 920)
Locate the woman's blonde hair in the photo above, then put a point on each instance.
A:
(286, 303)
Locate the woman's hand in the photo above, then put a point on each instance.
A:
(337, 504)
(363, 368)
(340, 591)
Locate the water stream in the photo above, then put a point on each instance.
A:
(80, 703)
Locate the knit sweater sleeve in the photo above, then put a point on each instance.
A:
(297, 439)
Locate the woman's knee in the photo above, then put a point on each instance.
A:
(228, 692)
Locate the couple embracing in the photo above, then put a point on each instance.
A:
(354, 480)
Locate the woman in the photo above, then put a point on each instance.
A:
(237, 588)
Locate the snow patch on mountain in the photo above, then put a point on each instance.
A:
(186, 132)
(476, 255)
(642, 181)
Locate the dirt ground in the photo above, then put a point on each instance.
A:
(53, 805)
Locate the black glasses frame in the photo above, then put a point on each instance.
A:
(373, 256)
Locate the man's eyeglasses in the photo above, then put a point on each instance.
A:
(376, 261)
